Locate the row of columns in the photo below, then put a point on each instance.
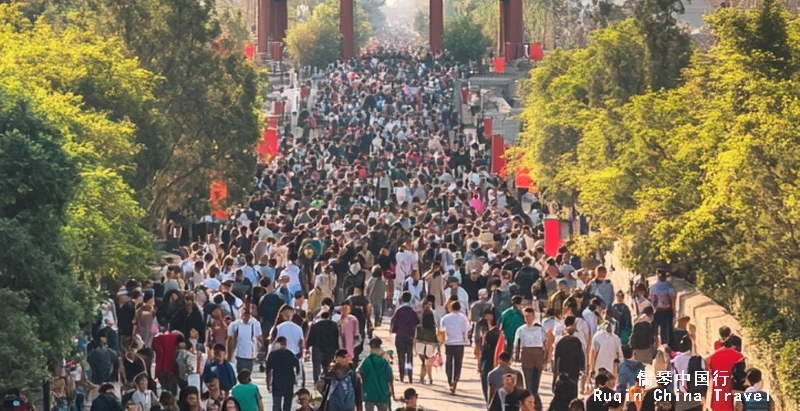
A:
(273, 23)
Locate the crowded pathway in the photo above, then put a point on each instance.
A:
(379, 259)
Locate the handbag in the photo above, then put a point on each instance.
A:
(437, 360)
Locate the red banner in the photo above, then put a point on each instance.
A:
(488, 121)
(523, 178)
(498, 154)
(218, 194)
(535, 51)
(249, 51)
(269, 146)
(499, 65)
(552, 236)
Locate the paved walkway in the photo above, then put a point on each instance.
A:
(434, 397)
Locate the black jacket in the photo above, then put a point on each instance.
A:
(185, 322)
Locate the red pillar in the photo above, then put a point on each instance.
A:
(263, 25)
(346, 28)
(515, 33)
(280, 22)
(436, 25)
(501, 28)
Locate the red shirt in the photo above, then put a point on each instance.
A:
(722, 362)
(165, 347)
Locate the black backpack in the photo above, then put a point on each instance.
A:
(696, 364)
(739, 376)
(642, 336)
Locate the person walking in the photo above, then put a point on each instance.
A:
(453, 330)
(427, 343)
(246, 393)
(376, 374)
(662, 296)
(529, 343)
(283, 364)
(569, 356)
(404, 325)
(510, 320)
(243, 339)
(323, 341)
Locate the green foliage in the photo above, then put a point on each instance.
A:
(22, 354)
(318, 41)
(87, 89)
(697, 173)
(44, 300)
(789, 371)
(463, 41)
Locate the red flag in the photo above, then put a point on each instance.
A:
(487, 125)
(498, 154)
(501, 347)
(249, 51)
(552, 236)
(535, 51)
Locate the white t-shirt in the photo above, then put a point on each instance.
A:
(455, 327)
(247, 337)
(607, 348)
(293, 334)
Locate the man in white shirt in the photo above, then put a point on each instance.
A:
(455, 327)
(529, 348)
(243, 337)
(454, 288)
(406, 264)
(291, 331)
(606, 349)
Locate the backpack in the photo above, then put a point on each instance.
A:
(696, 364)
(642, 336)
(739, 376)
(343, 394)
(749, 403)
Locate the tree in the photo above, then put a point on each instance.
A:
(45, 302)
(88, 90)
(318, 41)
(464, 41)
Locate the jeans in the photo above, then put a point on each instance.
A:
(377, 314)
(281, 401)
(243, 364)
(369, 406)
(320, 362)
(455, 359)
(663, 319)
(302, 370)
(405, 355)
(532, 378)
(485, 380)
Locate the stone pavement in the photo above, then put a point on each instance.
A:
(434, 397)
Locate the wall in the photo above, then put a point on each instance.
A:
(706, 318)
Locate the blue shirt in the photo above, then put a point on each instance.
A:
(661, 295)
(628, 373)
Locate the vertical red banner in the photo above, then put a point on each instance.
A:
(498, 154)
(218, 194)
(249, 51)
(499, 65)
(552, 236)
(535, 51)
(488, 123)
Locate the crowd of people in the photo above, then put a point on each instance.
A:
(379, 213)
